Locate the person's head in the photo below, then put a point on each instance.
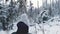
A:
(22, 27)
(19, 23)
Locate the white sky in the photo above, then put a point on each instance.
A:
(35, 2)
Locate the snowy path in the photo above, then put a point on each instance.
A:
(55, 29)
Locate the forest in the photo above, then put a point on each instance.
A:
(40, 19)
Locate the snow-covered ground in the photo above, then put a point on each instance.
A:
(50, 27)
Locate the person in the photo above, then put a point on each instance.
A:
(22, 28)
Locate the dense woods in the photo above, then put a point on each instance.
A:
(11, 11)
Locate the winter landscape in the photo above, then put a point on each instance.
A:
(41, 16)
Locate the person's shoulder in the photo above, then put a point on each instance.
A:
(14, 33)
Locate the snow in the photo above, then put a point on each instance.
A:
(51, 28)
(35, 28)
(47, 29)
